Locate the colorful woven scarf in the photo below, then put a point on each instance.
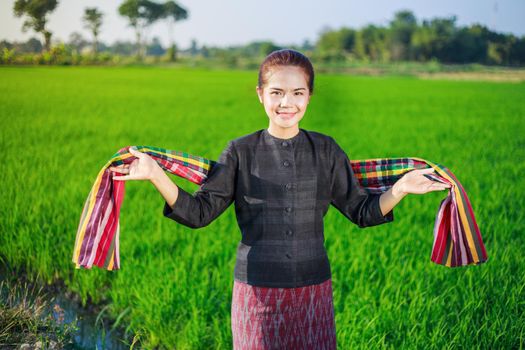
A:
(457, 239)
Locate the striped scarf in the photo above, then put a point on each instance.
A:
(457, 239)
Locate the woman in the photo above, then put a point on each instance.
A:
(282, 180)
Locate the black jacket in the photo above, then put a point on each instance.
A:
(282, 189)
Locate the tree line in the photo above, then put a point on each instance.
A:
(139, 13)
(403, 39)
(407, 39)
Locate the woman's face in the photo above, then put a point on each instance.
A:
(285, 96)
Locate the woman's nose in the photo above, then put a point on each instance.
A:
(285, 100)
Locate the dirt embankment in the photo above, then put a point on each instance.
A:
(516, 76)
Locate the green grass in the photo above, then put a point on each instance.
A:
(58, 127)
(25, 317)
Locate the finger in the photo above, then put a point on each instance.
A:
(136, 153)
(440, 187)
(444, 184)
(124, 177)
(435, 189)
(437, 183)
(427, 170)
(120, 168)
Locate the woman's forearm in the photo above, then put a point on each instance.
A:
(167, 188)
(391, 198)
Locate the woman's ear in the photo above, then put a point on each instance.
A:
(259, 93)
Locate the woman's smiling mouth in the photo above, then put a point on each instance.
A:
(286, 115)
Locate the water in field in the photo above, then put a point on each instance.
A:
(93, 329)
(93, 332)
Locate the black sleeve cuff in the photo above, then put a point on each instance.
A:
(181, 211)
(378, 217)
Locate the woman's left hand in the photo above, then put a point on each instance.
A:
(415, 182)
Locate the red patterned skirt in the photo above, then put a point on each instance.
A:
(283, 318)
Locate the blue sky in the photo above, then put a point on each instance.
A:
(232, 22)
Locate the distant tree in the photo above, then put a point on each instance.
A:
(500, 48)
(155, 48)
(173, 12)
(205, 52)
(468, 44)
(32, 45)
(4, 44)
(194, 49)
(123, 48)
(402, 27)
(375, 43)
(421, 43)
(77, 41)
(130, 9)
(36, 11)
(334, 44)
(252, 49)
(436, 39)
(266, 47)
(444, 31)
(371, 44)
(307, 45)
(93, 21)
(141, 14)
(256, 49)
(517, 53)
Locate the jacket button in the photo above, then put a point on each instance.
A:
(288, 186)
(288, 255)
(289, 232)
(284, 143)
(288, 209)
(286, 163)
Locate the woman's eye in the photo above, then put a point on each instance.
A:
(299, 93)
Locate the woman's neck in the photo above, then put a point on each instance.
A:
(283, 133)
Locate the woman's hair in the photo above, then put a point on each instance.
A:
(287, 57)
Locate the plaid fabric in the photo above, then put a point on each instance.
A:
(457, 239)
(97, 239)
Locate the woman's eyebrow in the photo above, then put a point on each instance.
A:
(279, 89)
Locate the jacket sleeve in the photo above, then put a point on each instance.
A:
(347, 195)
(212, 198)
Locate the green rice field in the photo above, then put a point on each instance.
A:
(59, 126)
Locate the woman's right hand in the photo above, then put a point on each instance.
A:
(142, 168)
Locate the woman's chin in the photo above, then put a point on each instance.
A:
(287, 116)
(286, 122)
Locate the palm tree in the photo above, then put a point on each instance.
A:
(140, 14)
(93, 21)
(37, 11)
(173, 12)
